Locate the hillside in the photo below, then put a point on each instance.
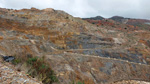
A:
(77, 51)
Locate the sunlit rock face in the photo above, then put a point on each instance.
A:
(105, 51)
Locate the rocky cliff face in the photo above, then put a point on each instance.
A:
(78, 52)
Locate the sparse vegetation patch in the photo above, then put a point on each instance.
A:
(38, 68)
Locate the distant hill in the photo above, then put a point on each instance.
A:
(117, 18)
(119, 21)
(95, 18)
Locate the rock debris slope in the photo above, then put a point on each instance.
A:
(8, 75)
(78, 51)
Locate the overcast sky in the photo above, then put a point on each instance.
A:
(87, 8)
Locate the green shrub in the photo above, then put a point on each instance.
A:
(38, 68)
(80, 82)
(32, 60)
(16, 61)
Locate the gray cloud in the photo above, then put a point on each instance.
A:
(87, 8)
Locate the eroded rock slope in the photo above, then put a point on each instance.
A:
(76, 50)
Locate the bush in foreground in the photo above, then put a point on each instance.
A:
(38, 67)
